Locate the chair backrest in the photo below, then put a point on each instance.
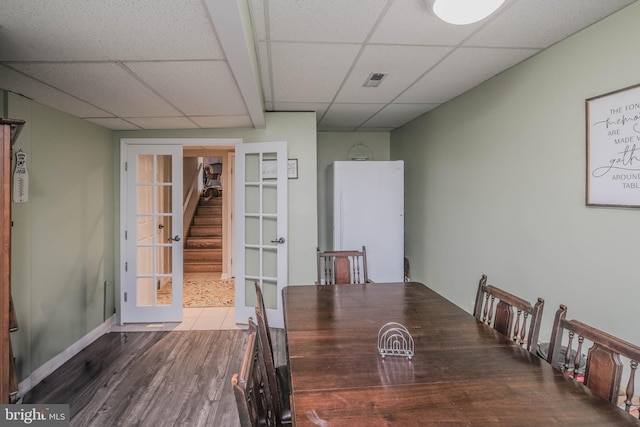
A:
(495, 307)
(266, 348)
(342, 267)
(604, 367)
(251, 387)
(263, 323)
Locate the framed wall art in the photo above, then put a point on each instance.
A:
(269, 169)
(292, 168)
(613, 148)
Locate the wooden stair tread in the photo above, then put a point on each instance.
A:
(207, 220)
(202, 254)
(203, 267)
(209, 210)
(203, 245)
(213, 201)
(210, 227)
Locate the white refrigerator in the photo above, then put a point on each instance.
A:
(365, 201)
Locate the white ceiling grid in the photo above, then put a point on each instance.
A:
(181, 64)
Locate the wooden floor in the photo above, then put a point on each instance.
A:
(152, 379)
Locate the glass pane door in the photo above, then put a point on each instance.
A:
(261, 234)
(154, 291)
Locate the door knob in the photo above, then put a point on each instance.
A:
(280, 240)
(175, 239)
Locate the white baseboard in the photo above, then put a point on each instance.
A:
(48, 367)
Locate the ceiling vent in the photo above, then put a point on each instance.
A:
(374, 79)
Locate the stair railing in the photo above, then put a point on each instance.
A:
(191, 201)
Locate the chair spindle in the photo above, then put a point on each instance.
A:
(630, 386)
(508, 314)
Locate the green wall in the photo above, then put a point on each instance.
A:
(62, 238)
(495, 184)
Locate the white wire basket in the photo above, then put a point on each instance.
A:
(395, 340)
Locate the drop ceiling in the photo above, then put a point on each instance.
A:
(189, 64)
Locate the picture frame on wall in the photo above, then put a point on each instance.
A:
(613, 148)
(269, 169)
(292, 168)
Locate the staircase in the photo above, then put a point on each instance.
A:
(203, 246)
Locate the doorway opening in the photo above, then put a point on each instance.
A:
(208, 279)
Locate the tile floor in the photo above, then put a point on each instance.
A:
(203, 318)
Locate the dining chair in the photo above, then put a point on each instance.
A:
(279, 377)
(604, 367)
(495, 307)
(342, 267)
(251, 387)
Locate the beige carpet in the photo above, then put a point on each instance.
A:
(202, 293)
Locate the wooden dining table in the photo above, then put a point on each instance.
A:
(462, 372)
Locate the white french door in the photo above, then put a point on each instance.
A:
(152, 278)
(261, 228)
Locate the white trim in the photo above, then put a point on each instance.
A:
(228, 222)
(120, 250)
(240, 50)
(188, 142)
(64, 356)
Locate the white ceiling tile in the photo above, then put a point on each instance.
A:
(223, 122)
(455, 74)
(345, 115)
(413, 22)
(69, 55)
(520, 25)
(71, 30)
(106, 85)
(396, 115)
(47, 95)
(302, 72)
(194, 87)
(114, 123)
(404, 65)
(162, 122)
(323, 20)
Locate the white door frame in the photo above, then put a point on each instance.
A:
(228, 208)
(124, 142)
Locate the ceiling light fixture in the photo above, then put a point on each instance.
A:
(463, 12)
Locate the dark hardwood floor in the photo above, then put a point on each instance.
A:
(152, 379)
